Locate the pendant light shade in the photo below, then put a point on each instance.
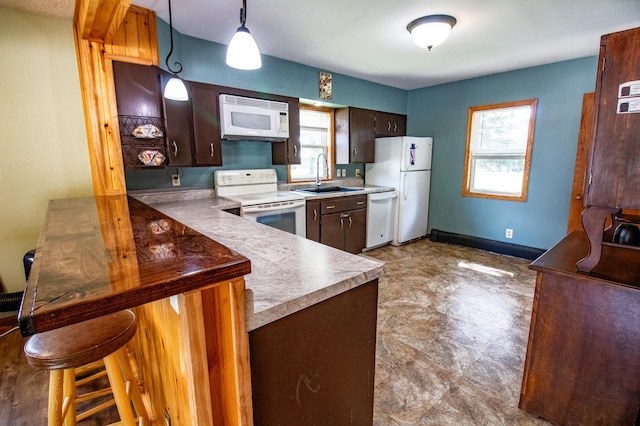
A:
(175, 88)
(242, 52)
(431, 30)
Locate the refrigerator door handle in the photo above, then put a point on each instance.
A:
(404, 186)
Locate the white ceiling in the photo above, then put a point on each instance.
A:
(368, 39)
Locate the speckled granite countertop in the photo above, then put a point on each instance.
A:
(289, 273)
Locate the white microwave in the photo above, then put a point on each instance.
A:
(253, 119)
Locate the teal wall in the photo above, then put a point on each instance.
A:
(204, 61)
(441, 112)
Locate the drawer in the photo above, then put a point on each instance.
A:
(341, 204)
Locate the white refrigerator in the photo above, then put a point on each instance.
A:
(404, 163)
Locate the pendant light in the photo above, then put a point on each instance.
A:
(431, 30)
(242, 52)
(175, 88)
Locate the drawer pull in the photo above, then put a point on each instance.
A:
(330, 207)
(315, 215)
(360, 203)
(175, 149)
(212, 149)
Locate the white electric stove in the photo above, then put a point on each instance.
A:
(257, 192)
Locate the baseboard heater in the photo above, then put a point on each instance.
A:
(509, 249)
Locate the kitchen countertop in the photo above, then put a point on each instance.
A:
(98, 255)
(289, 273)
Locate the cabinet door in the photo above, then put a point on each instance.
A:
(355, 135)
(288, 152)
(313, 220)
(388, 124)
(206, 125)
(137, 89)
(615, 151)
(332, 230)
(355, 237)
(362, 134)
(177, 115)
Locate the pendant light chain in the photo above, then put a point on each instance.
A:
(179, 70)
(243, 13)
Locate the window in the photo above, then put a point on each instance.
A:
(498, 154)
(316, 137)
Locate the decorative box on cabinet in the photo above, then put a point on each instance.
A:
(613, 178)
(355, 135)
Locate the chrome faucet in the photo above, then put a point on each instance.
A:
(326, 167)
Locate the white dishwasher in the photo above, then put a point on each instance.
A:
(380, 218)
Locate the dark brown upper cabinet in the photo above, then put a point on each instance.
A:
(288, 152)
(390, 124)
(355, 135)
(613, 178)
(206, 124)
(140, 116)
(178, 128)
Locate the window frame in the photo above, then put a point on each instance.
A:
(469, 157)
(330, 146)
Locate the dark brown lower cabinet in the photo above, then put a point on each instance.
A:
(313, 220)
(339, 222)
(316, 366)
(345, 230)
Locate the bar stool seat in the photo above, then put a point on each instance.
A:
(66, 349)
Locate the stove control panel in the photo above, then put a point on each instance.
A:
(245, 177)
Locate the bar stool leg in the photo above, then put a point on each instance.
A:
(132, 386)
(69, 401)
(56, 381)
(119, 390)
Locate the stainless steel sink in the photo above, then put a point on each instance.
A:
(325, 189)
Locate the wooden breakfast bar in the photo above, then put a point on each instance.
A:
(99, 255)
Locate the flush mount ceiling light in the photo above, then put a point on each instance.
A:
(242, 52)
(431, 30)
(175, 88)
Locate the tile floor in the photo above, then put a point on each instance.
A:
(451, 339)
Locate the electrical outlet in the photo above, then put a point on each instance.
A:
(344, 172)
(175, 180)
(338, 173)
(358, 172)
(509, 233)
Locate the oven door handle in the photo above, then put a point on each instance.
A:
(292, 205)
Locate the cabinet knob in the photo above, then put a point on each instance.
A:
(578, 196)
(388, 125)
(395, 127)
(355, 152)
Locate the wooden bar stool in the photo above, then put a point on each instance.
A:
(81, 347)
